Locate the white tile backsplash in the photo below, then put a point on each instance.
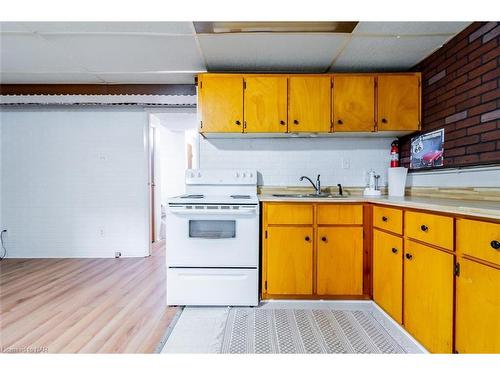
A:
(281, 161)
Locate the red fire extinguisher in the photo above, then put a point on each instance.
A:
(395, 154)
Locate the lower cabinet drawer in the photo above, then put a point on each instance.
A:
(479, 239)
(433, 229)
(289, 213)
(212, 286)
(390, 219)
(345, 214)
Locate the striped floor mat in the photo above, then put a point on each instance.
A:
(251, 330)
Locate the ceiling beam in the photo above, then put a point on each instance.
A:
(97, 89)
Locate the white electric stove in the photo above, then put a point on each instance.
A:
(212, 240)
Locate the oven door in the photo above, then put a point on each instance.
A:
(212, 236)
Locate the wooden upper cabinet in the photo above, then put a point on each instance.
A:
(265, 104)
(398, 102)
(221, 102)
(309, 104)
(353, 103)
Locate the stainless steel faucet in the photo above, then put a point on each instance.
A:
(316, 186)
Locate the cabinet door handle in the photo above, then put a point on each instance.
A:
(339, 122)
(238, 122)
(296, 122)
(394, 250)
(282, 122)
(424, 228)
(307, 238)
(324, 239)
(409, 256)
(495, 244)
(384, 120)
(385, 218)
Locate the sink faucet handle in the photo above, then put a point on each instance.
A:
(340, 189)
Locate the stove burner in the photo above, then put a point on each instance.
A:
(193, 196)
(236, 196)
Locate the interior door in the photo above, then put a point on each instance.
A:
(353, 103)
(309, 104)
(398, 102)
(265, 104)
(388, 273)
(340, 261)
(221, 102)
(477, 308)
(289, 260)
(428, 296)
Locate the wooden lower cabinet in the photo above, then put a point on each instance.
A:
(289, 260)
(388, 273)
(428, 296)
(477, 324)
(340, 261)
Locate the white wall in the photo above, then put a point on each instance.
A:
(281, 161)
(485, 176)
(75, 182)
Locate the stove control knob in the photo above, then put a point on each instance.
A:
(244, 175)
(251, 175)
(199, 174)
(237, 175)
(191, 175)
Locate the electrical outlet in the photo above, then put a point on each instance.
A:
(118, 254)
(346, 164)
(101, 232)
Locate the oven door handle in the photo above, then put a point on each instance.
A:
(241, 211)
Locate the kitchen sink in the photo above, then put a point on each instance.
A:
(323, 195)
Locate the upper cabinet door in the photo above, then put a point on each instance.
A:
(353, 103)
(309, 104)
(398, 102)
(221, 102)
(265, 105)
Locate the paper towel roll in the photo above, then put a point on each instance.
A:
(397, 181)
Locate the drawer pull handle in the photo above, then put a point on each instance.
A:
(323, 239)
(424, 228)
(307, 238)
(394, 250)
(282, 122)
(495, 244)
(296, 122)
(408, 256)
(238, 122)
(385, 218)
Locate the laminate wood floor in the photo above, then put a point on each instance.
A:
(84, 305)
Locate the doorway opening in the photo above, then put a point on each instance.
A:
(174, 147)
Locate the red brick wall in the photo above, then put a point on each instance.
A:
(461, 93)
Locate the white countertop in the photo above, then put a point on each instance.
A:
(484, 209)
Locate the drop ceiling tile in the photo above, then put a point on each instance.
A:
(12, 27)
(130, 53)
(264, 52)
(11, 78)
(409, 28)
(153, 78)
(110, 27)
(386, 53)
(31, 53)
